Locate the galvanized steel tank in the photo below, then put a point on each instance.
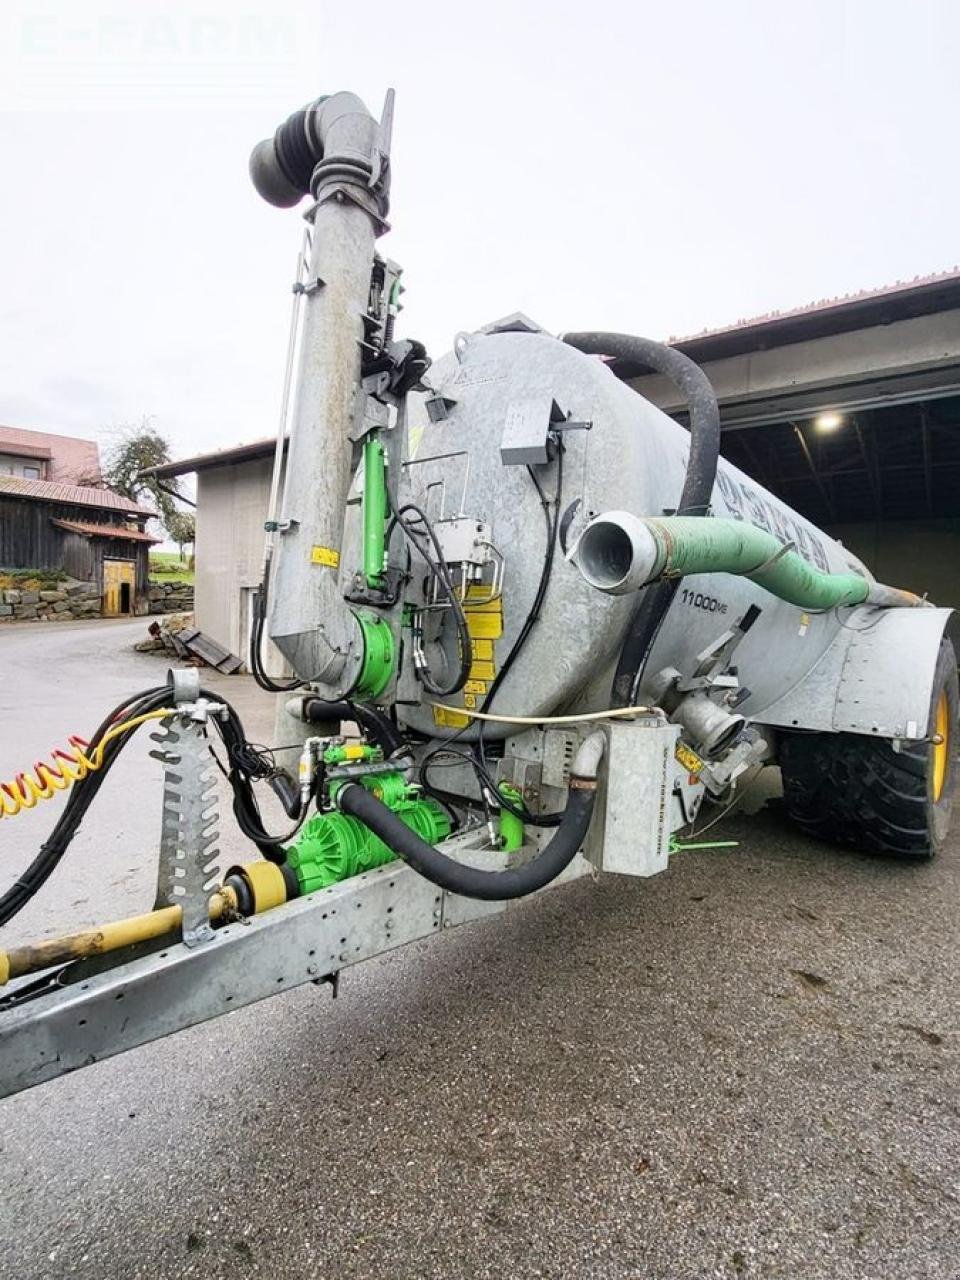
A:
(632, 458)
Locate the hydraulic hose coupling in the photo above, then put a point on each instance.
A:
(334, 138)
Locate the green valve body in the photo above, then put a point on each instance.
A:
(343, 754)
(511, 828)
(378, 656)
(335, 846)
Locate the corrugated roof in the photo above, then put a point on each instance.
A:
(72, 494)
(70, 459)
(92, 530)
(905, 299)
(218, 458)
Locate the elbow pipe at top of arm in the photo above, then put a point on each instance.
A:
(471, 882)
(338, 129)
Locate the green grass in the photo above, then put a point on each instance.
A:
(31, 579)
(166, 566)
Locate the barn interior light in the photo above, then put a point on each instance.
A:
(828, 421)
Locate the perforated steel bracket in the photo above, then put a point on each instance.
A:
(189, 829)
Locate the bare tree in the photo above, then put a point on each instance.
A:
(136, 448)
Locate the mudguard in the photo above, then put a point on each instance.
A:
(875, 679)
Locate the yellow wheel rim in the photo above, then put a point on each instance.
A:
(941, 748)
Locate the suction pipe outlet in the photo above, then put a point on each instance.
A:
(616, 553)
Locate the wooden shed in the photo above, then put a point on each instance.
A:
(94, 535)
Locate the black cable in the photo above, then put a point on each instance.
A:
(247, 765)
(552, 524)
(247, 762)
(257, 670)
(479, 764)
(438, 569)
(486, 782)
(533, 614)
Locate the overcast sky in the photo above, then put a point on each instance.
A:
(658, 168)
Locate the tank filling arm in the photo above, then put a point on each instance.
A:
(335, 150)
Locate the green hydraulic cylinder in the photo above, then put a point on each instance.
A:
(374, 512)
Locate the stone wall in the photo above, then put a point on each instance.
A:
(171, 597)
(69, 601)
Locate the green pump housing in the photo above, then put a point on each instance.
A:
(335, 846)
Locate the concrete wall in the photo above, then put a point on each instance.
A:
(231, 508)
(921, 555)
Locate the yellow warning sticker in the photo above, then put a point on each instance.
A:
(473, 605)
(484, 626)
(449, 719)
(484, 617)
(689, 759)
(326, 556)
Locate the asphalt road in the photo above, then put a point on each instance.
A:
(745, 1067)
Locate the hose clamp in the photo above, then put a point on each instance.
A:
(772, 560)
(583, 784)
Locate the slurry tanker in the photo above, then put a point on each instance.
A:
(533, 629)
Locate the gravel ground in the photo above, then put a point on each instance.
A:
(745, 1067)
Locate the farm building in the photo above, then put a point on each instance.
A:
(42, 455)
(849, 410)
(233, 488)
(94, 535)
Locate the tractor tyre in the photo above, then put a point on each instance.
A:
(858, 791)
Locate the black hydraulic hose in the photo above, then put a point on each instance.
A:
(471, 882)
(694, 385)
(376, 723)
(30, 881)
(257, 669)
(438, 569)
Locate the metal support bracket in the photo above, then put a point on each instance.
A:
(189, 830)
(309, 286)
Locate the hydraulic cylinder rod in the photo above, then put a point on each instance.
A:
(619, 553)
(374, 512)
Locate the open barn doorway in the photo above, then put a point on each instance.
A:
(118, 588)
